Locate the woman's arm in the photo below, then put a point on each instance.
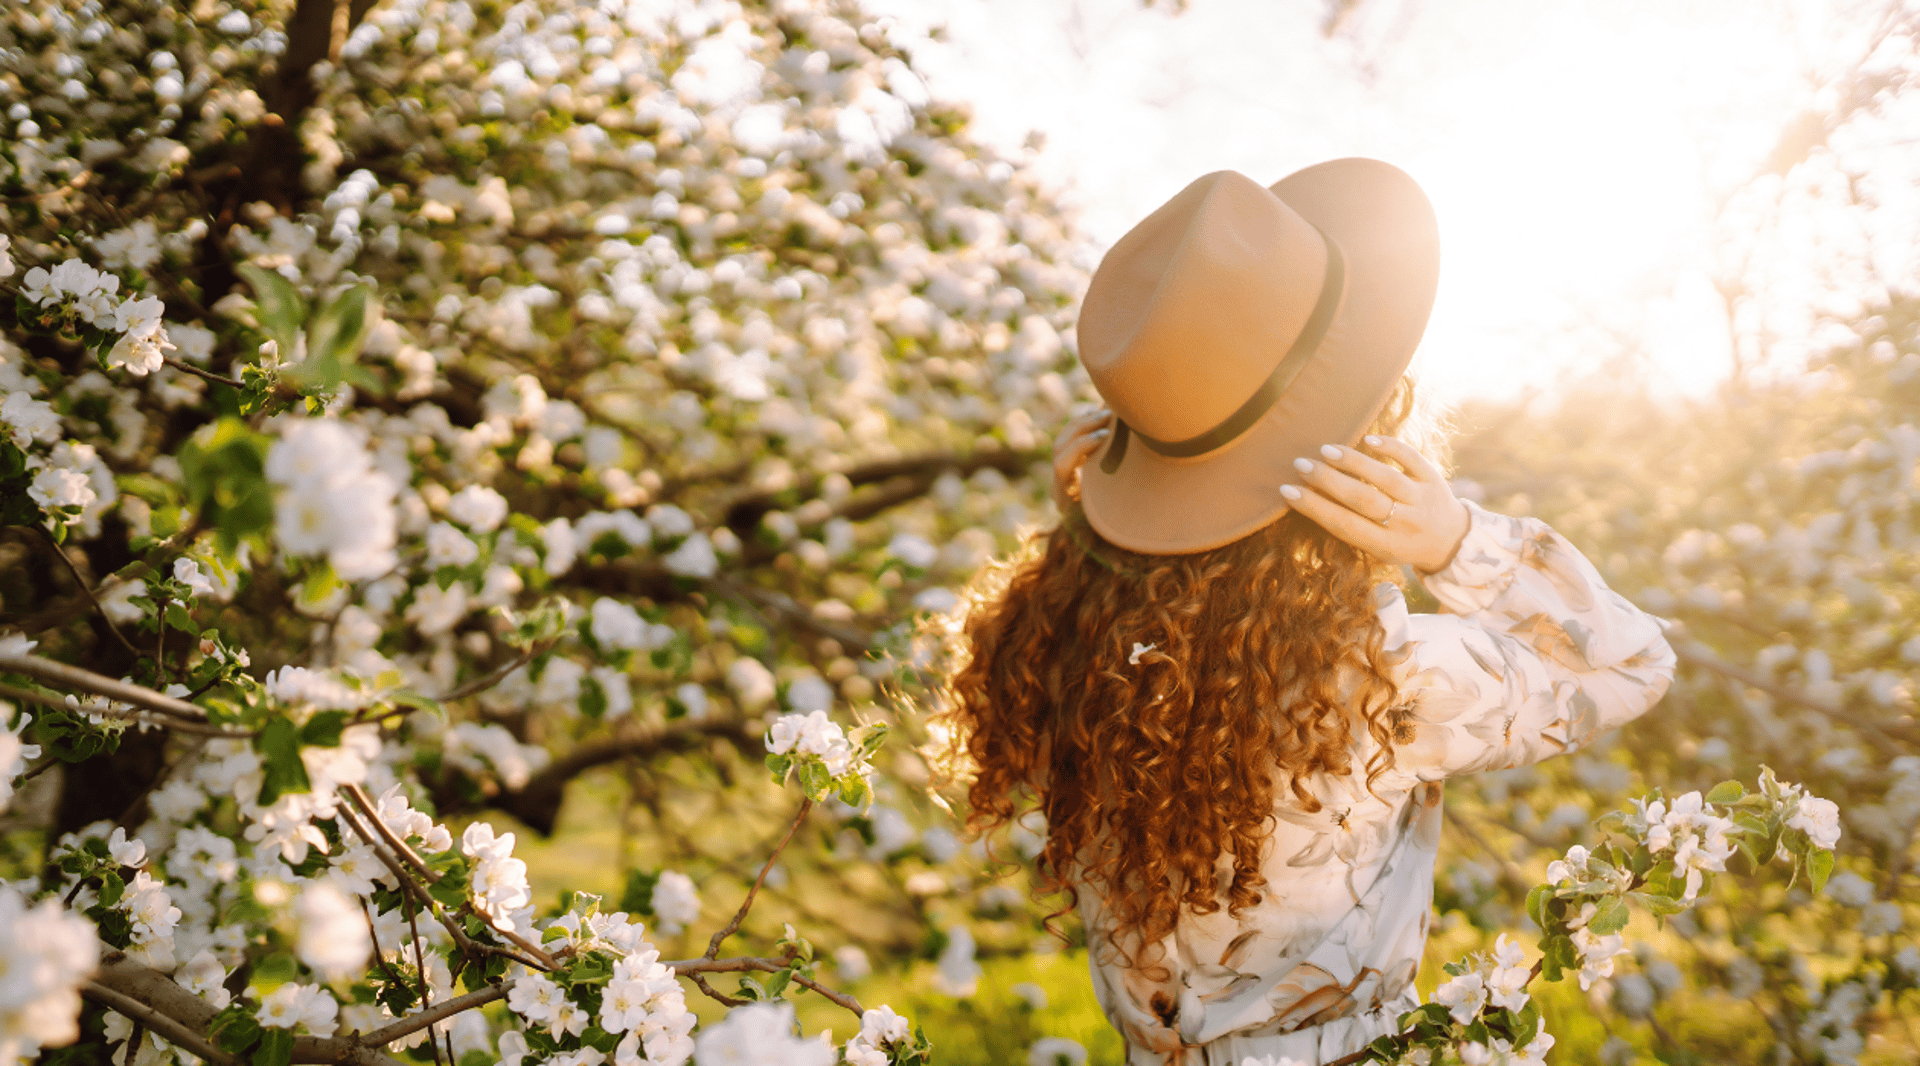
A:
(1535, 656)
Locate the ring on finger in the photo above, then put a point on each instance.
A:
(1392, 504)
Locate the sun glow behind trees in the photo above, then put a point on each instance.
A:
(1580, 156)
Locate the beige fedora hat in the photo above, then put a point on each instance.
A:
(1239, 327)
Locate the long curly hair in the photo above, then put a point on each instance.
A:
(1153, 767)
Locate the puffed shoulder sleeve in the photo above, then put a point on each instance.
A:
(1535, 656)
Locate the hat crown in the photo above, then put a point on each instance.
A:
(1189, 313)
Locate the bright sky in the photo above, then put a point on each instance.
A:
(1575, 152)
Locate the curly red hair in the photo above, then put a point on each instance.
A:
(1151, 772)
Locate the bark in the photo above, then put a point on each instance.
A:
(157, 992)
(537, 804)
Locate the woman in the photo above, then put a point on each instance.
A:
(1237, 733)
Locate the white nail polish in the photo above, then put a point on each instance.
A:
(1305, 466)
(1373, 442)
(1289, 492)
(1330, 451)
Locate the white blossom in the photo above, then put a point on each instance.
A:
(676, 903)
(311, 1007)
(333, 940)
(49, 952)
(1819, 819)
(477, 507)
(759, 1034)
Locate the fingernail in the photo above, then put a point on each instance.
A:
(1330, 451)
(1305, 466)
(1373, 441)
(1289, 492)
(1101, 432)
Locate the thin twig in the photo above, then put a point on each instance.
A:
(700, 980)
(420, 964)
(361, 800)
(134, 1041)
(175, 1031)
(713, 945)
(693, 968)
(206, 374)
(82, 582)
(486, 681)
(407, 885)
(1696, 654)
(379, 956)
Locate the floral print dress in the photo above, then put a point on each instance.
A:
(1534, 657)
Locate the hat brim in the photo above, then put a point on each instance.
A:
(1386, 231)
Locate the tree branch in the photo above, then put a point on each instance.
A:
(64, 676)
(713, 945)
(84, 587)
(14, 692)
(537, 803)
(787, 607)
(141, 1014)
(488, 680)
(744, 964)
(413, 1023)
(1694, 653)
(148, 996)
(920, 472)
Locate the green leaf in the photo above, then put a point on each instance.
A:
(283, 772)
(637, 896)
(855, 791)
(276, 1047)
(779, 765)
(178, 618)
(334, 339)
(281, 309)
(1727, 792)
(1657, 904)
(1610, 917)
(777, 985)
(593, 698)
(1820, 867)
(814, 779)
(323, 729)
(235, 1029)
(111, 888)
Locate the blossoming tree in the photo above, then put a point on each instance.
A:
(412, 406)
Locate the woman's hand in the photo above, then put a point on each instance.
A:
(1077, 440)
(1395, 516)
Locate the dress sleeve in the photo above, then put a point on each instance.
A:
(1535, 656)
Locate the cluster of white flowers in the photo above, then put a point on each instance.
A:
(49, 951)
(618, 626)
(880, 1030)
(1499, 979)
(1695, 833)
(642, 1002)
(500, 884)
(331, 501)
(812, 734)
(309, 1007)
(1816, 817)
